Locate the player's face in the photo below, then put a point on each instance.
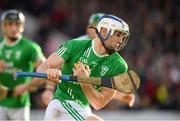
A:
(116, 40)
(12, 29)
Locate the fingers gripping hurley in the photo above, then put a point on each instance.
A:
(127, 83)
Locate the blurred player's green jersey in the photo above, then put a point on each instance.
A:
(19, 57)
(101, 66)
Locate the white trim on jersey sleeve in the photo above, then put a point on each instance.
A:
(61, 51)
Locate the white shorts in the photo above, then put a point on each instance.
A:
(22, 114)
(66, 110)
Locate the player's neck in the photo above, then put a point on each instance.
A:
(11, 42)
(99, 48)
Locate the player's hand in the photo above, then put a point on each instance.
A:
(3, 92)
(3, 65)
(20, 90)
(53, 75)
(126, 98)
(81, 70)
(132, 100)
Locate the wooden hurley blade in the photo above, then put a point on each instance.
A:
(127, 83)
(91, 80)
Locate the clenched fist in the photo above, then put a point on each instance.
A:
(81, 70)
(53, 75)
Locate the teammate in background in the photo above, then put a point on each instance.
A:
(94, 58)
(17, 53)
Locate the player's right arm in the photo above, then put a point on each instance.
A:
(53, 63)
(56, 60)
(51, 66)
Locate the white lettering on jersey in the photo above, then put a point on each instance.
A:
(18, 54)
(77, 83)
(94, 64)
(85, 56)
(8, 54)
(69, 91)
(84, 60)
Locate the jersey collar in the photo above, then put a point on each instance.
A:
(17, 41)
(95, 50)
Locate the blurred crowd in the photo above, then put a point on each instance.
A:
(153, 49)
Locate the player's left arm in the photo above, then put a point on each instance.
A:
(98, 99)
(125, 98)
(129, 99)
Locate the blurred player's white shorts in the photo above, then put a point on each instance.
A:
(22, 114)
(66, 110)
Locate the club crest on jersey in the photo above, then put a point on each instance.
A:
(104, 70)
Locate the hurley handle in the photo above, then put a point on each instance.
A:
(44, 75)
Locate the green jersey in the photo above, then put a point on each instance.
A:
(101, 66)
(19, 57)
